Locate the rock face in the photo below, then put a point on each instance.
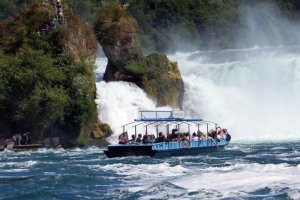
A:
(118, 58)
(79, 39)
(160, 78)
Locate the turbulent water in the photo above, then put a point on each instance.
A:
(242, 171)
(255, 93)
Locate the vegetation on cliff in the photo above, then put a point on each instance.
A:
(202, 24)
(47, 81)
(116, 31)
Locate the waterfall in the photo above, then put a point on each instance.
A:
(254, 93)
(119, 103)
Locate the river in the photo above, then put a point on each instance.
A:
(267, 170)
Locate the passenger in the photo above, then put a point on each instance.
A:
(226, 135)
(212, 134)
(174, 135)
(145, 139)
(132, 140)
(169, 137)
(123, 138)
(220, 134)
(139, 138)
(195, 137)
(182, 135)
(201, 135)
(188, 135)
(164, 138)
(161, 138)
(152, 138)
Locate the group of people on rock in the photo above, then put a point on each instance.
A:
(22, 138)
(59, 13)
(59, 18)
(176, 136)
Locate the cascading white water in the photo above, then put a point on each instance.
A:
(119, 102)
(255, 93)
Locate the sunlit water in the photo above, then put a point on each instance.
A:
(242, 171)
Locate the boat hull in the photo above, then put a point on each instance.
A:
(164, 149)
(129, 150)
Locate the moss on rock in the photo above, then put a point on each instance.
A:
(163, 82)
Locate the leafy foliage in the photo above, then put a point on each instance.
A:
(113, 23)
(41, 85)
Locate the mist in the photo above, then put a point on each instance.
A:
(258, 24)
(266, 24)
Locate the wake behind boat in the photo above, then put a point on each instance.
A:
(175, 142)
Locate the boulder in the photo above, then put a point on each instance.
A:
(160, 78)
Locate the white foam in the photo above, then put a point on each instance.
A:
(13, 170)
(48, 150)
(295, 194)
(142, 176)
(241, 178)
(24, 164)
(142, 170)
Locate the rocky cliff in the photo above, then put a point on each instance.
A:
(160, 78)
(46, 68)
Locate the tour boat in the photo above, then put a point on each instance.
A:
(178, 141)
